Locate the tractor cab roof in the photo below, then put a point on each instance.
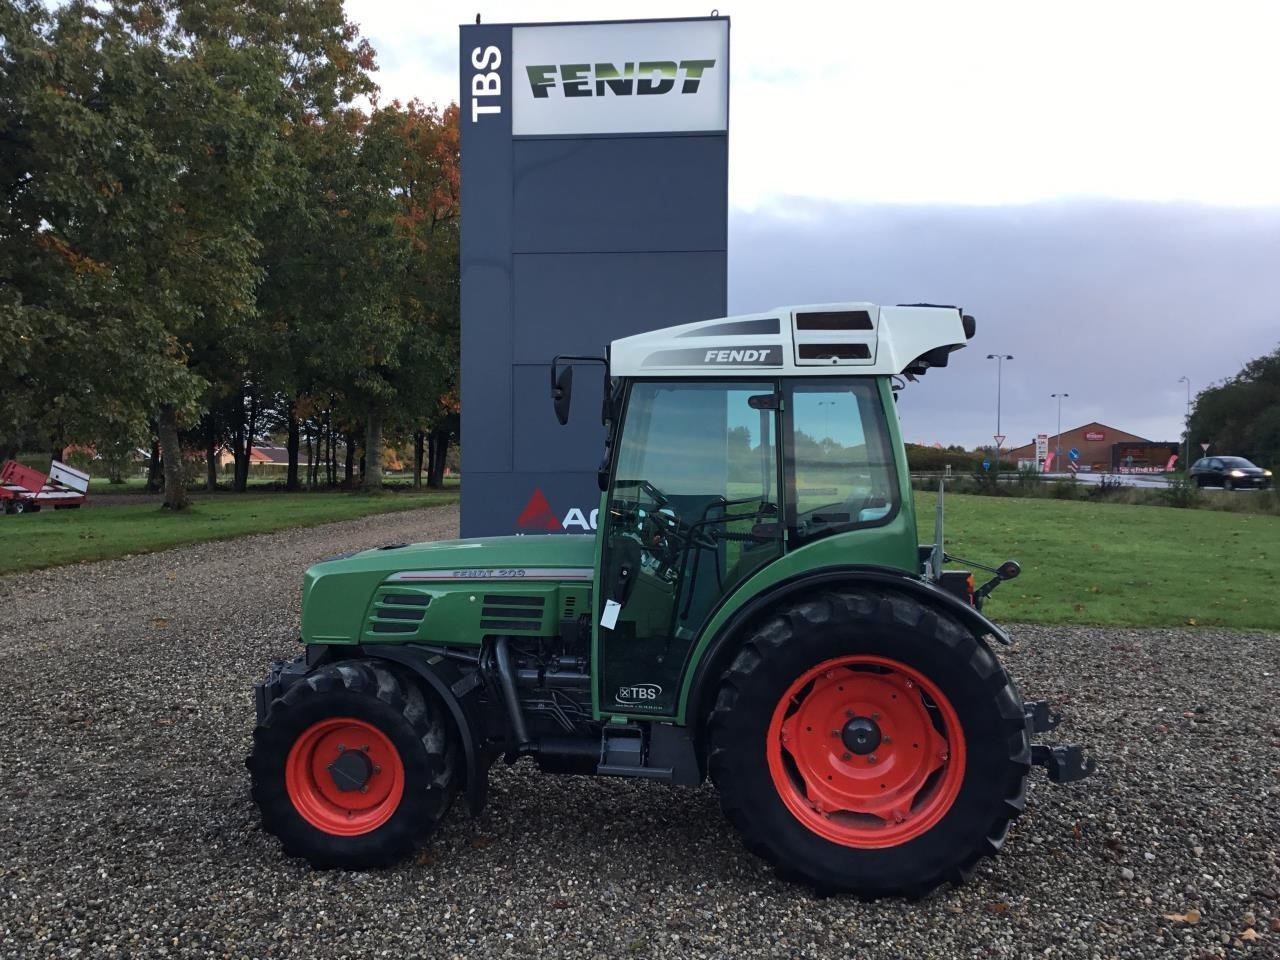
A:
(811, 340)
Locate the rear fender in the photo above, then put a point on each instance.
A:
(722, 648)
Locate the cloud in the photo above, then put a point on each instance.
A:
(986, 102)
(1110, 302)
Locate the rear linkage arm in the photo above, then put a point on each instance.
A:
(1064, 763)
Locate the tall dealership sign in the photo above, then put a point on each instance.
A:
(594, 206)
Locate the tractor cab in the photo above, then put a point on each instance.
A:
(736, 444)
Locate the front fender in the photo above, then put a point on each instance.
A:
(447, 680)
(718, 654)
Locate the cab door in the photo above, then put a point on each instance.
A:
(692, 511)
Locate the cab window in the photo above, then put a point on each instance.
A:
(840, 471)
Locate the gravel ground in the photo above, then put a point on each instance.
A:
(128, 830)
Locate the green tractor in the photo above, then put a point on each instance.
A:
(754, 606)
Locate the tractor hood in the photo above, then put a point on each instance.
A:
(337, 593)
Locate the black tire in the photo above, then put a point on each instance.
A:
(855, 621)
(20, 507)
(368, 691)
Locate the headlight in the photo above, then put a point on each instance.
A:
(1266, 473)
(1237, 473)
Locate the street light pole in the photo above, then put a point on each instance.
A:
(1186, 427)
(999, 358)
(1057, 457)
(828, 404)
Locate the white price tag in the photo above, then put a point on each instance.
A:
(609, 619)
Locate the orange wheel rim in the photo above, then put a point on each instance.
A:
(344, 776)
(866, 751)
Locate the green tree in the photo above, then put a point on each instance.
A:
(1241, 415)
(81, 354)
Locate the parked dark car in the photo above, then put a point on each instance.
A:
(1230, 473)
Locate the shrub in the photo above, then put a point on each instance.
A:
(986, 483)
(931, 459)
(1108, 487)
(1066, 488)
(1181, 493)
(1029, 482)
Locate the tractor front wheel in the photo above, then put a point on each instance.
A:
(353, 767)
(862, 742)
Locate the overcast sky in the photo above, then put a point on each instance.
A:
(1098, 183)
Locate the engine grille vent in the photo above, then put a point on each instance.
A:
(509, 612)
(398, 612)
(570, 608)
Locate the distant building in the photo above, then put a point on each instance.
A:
(264, 458)
(1101, 448)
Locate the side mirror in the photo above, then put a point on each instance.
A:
(562, 393)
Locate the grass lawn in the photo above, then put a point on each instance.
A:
(1117, 564)
(54, 537)
(1085, 563)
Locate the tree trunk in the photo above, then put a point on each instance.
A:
(419, 440)
(351, 460)
(239, 447)
(291, 481)
(175, 490)
(153, 466)
(439, 450)
(371, 474)
(324, 440)
(248, 441)
(333, 456)
(211, 462)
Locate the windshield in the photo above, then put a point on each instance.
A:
(1237, 462)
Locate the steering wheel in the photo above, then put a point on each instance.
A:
(673, 527)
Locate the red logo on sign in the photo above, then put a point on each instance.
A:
(537, 514)
(1095, 435)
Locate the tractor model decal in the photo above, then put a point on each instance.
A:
(497, 573)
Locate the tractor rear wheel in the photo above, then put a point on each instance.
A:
(353, 767)
(862, 742)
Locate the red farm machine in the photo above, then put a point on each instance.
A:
(24, 490)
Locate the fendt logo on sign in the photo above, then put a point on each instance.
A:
(643, 78)
(538, 515)
(603, 78)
